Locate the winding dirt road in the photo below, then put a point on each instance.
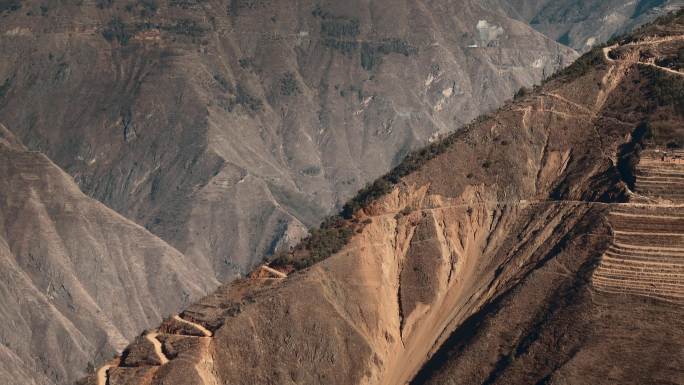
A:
(609, 49)
(202, 329)
(152, 337)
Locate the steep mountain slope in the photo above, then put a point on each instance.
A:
(540, 245)
(583, 24)
(229, 128)
(78, 281)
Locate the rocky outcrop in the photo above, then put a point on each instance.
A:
(490, 262)
(78, 281)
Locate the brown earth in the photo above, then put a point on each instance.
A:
(536, 248)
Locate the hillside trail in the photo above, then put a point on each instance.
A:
(197, 326)
(634, 59)
(278, 274)
(152, 337)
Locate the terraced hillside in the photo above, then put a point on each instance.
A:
(481, 259)
(660, 175)
(646, 256)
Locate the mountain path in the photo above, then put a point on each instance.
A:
(152, 337)
(633, 59)
(197, 326)
(278, 274)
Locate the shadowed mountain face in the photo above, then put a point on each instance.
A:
(78, 281)
(540, 245)
(582, 24)
(228, 128)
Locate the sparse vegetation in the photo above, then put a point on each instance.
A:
(185, 4)
(336, 230)
(240, 98)
(246, 63)
(148, 8)
(591, 59)
(116, 30)
(404, 212)
(667, 89)
(244, 99)
(102, 4)
(4, 87)
(289, 85)
(311, 171)
(323, 242)
(319, 12)
(675, 61)
(412, 162)
(340, 27)
(352, 90)
(186, 27)
(234, 6)
(371, 53)
(7, 6)
(521, 93)
(347, 47)
(653, 29)
(338, 33)
(222, 82)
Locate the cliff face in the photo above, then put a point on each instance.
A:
(57, 319)
(229, 128)
(540, 245)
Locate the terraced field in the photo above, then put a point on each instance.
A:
(646, 256)
(660, 175)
